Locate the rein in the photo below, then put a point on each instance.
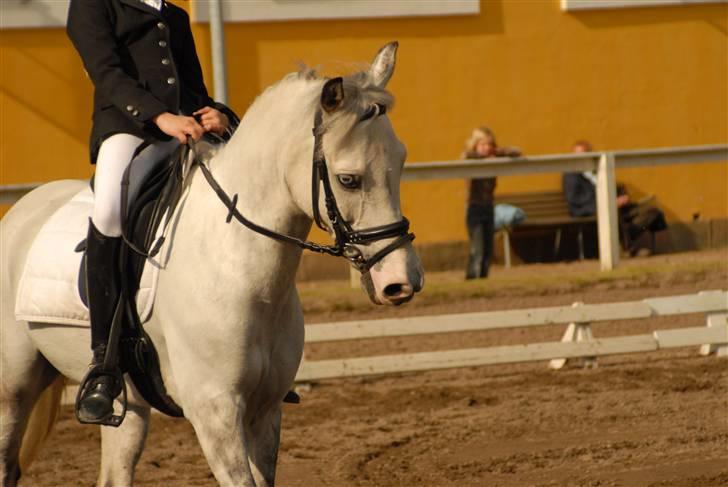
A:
(346, 238)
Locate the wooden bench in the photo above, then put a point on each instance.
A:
(547, 211)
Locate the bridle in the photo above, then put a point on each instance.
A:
(346, 238)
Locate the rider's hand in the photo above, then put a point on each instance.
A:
(213, 120)
(179, 126)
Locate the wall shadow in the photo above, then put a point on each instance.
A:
(488, 21)
(46, 86)
(241, 45)
(715, 15)
(243, 38)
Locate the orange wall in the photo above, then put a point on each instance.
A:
(540, 77)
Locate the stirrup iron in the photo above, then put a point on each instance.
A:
(108, 367)
(98, 371)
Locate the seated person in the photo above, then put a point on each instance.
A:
(634, 217)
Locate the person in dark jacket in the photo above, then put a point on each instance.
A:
(149, 97)
(579, 187)
(479, 215)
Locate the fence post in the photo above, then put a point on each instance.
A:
(506, 232)
(607, 212)
(354, 278)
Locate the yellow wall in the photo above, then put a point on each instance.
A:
(540, 77)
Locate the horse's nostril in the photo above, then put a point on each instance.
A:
(393, 290)
(398, 291)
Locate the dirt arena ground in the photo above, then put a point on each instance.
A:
(657, 419)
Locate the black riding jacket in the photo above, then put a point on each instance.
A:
(141, 61)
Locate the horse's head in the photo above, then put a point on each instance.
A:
(363, 164)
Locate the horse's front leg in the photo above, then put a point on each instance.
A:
(218, 423)
(265, 434)
(121, 447)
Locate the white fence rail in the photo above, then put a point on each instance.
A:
(603, 163)
(713, 338)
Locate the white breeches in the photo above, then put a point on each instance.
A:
(115, 154)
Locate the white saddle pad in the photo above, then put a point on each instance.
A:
(48, 290)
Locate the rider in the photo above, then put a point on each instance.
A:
(149, 97)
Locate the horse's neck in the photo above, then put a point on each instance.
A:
(274, 137)
(253, 165)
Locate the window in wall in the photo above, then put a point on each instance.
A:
(33, 13)
(272, 10)
(596, 4)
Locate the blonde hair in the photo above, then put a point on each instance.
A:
(478, 134)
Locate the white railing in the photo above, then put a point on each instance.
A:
(603, 163)
(713, 338)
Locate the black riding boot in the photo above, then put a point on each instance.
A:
(103, 286)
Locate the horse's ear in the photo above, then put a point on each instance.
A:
(332, 95)
(383, 64)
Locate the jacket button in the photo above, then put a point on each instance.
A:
(135, 113)
(171, 81)
(161, 25)
(162, 43)
(129, 108)
(165, 61)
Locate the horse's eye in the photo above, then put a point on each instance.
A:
(374, 110)
(369, 113)
(349, 181)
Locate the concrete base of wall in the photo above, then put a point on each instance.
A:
(695, 235)
(449, 256)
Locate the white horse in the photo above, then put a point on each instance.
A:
(227, 321)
